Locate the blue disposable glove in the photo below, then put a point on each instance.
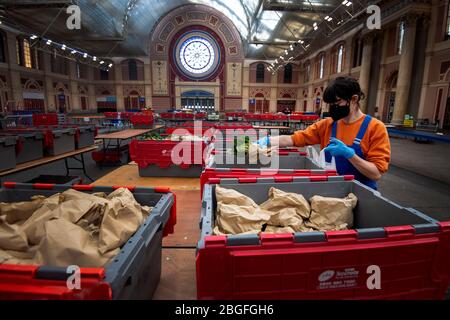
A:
(263, 142)
(339, 149)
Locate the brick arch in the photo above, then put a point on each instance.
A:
(195, 14)
(32, 84)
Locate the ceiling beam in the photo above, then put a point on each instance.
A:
(28, 4)
(304, 6)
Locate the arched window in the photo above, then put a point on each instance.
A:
(340, 58)
(447, 29)
(260, 70)
(321, 65)
(2, 48)
(307, 75)
(401, 37)
(288, 73)
(27, 53)
(357, 52)
(132, 70)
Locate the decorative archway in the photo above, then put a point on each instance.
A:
(33, 96)
(222, 71)
(62, 98)
(389, 105)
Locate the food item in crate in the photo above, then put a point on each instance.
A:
(282, 212)
(69, 228)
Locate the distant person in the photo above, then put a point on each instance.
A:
(359, 143)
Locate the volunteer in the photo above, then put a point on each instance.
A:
(359, 143)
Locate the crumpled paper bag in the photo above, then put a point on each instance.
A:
(77, 249)
(70, 228)
(123, 216)
(230, 196)
(10, 237)
(287, 209)
(19, 211)
(235, 219)
(237, 213)
(329, 213)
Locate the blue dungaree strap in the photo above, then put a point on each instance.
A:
(343, 166)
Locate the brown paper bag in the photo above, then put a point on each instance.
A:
(122, 217)
(59, 249)
(236, 219)
(33, 227)
(217, 232)
(10, 237)
(230, 196)
(19, 211)
(332, 213)
(287, 209)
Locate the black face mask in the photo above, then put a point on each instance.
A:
(338, 112)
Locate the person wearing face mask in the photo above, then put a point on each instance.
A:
(359, 143)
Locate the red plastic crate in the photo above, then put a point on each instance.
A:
(266, 117)
(252, 117)
(201, 115)
(279, 175)
(141, 119)
(166, 115)
(45, 119)
(146, 152)
(413, 258)
(280, 117)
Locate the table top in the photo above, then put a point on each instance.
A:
(46, 160)
(128, 175)
(127, 134)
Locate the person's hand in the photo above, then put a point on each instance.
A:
(263, 142)
(339, 149)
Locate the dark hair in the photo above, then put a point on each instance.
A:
(344, 88)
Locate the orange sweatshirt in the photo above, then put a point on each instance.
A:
(375, 144)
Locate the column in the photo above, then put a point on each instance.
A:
(273, 93)
(148, 83)
(311, 106)
(245, 85)
(16, 85)
(119, 86)
(364, 75)
(405, 70)
(75, 103)
(92, 97)
(381, 81)
(428, 57)
(48, 84)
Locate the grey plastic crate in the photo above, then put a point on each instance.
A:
(135, 272)
(31, 145)
(293, 160)
(372, 213)
(7, 152)
(63, 141)
(86, 136)
(152, 170)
